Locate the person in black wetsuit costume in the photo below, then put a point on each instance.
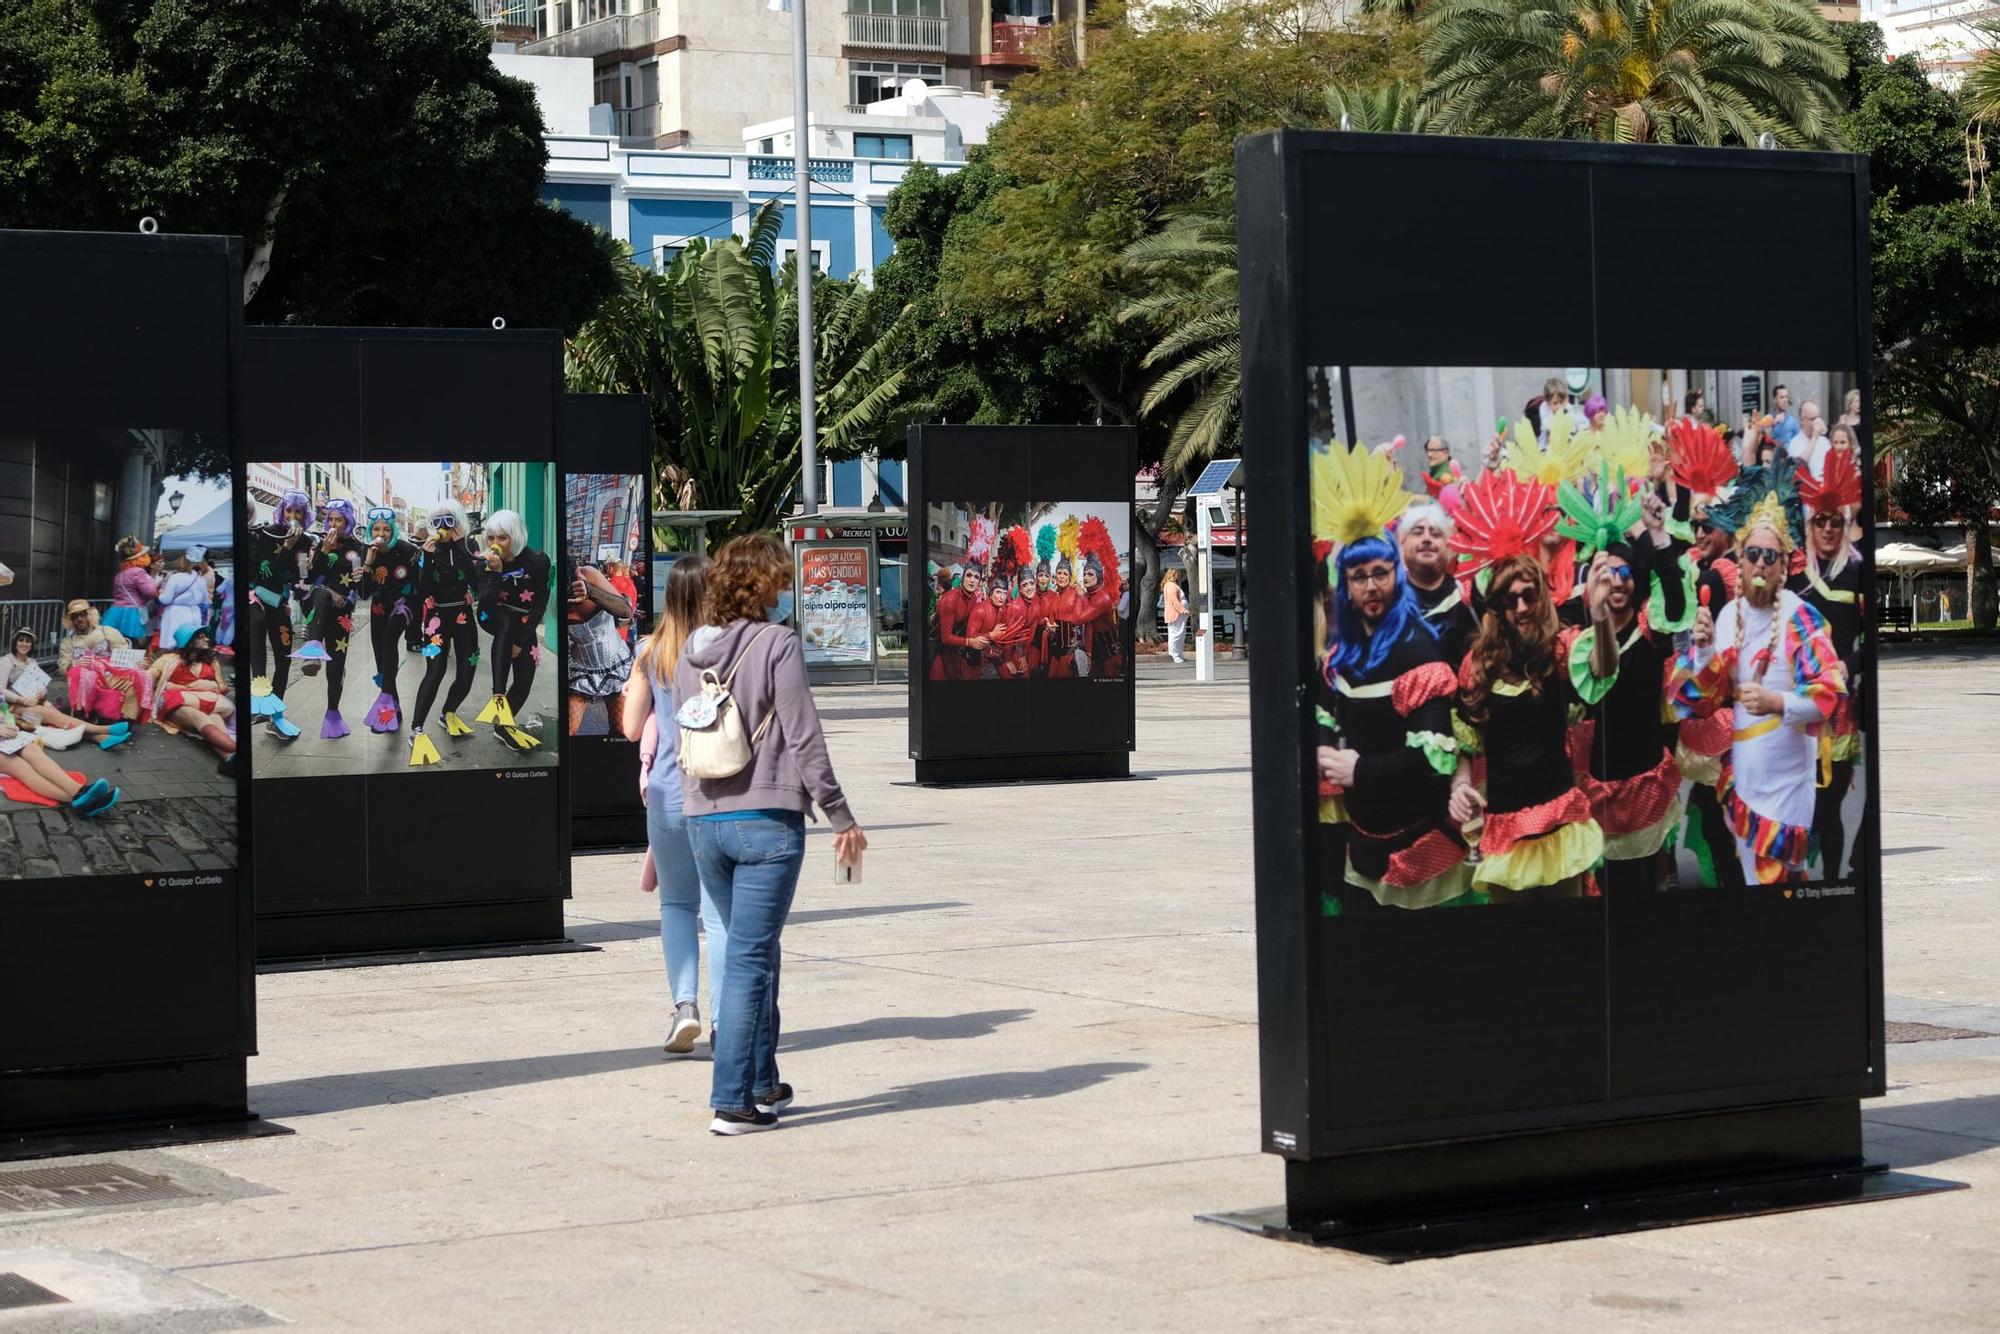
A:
(389, 582)
(513, 596)
(448, 564)
(275, 549)
(329, 592)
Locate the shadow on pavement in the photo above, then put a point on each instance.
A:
(1004, 1086)
(374, 1088)
(923, 1028)
(1921, 1134)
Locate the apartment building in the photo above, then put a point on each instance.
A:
(693, 74)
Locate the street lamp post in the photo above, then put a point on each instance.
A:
(802, 214)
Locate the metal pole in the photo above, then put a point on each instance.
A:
(802, 213)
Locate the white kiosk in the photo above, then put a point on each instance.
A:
(1210, 513)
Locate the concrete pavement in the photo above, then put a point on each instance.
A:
(1025, 1048)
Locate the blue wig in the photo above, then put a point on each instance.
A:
(1403, 618)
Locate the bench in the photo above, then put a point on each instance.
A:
(1903, 619)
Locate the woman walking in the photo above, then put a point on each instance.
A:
(649, 695)
(1177, 614)
(748, 830)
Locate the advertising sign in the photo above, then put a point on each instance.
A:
(834, 586)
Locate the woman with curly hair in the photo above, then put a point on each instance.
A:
(1538, 840)
(748, 829)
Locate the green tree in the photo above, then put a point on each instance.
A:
(380, 170)
(1981, 86)
(1030, 276)
(1392, 107)
(1189, 268)
(1636, 71)
(711, 344)
(1912, 132)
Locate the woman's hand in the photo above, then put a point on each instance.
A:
(492, 561)
(1466, 803)
(1337, 766)
(1759, 700)
(849, 844)
(1704, 627)
(1599, 591)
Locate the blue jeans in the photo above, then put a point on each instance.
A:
(751, 867)
(667, 835)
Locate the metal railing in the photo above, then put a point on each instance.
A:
(1018, 40)
(639, 126)
(45, 617)
(781, 169)
(901, 32)
(620, 32)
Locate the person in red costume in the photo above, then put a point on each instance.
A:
(1016, 634)
(1102, 640)
(979, 629)
(957, 657)
(1063, 630)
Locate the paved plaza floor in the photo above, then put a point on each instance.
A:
(1025, 1050)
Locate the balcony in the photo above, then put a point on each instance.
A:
(782, 169)
(1015, 44)
(895, 32)
(620, 32)
(639, 127)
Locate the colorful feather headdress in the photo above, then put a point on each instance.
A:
(1045, 544)
(1836, 489)
(1567, 457)
(1067, 539)
(1703, 463)
(1763, 496)
(1094, 544)
(979, 545)
(1500, 514)
(1626, 442)
(1018, 549)
(1595, 522)
(1356, 493)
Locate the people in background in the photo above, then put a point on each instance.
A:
(449, 565)
(99, 689)
(278, 550)
(513, 594)
(185, 596)
(1175, 605)
(134, 591)
(192, 694)
(600, 660)
(329, 594)
(32, 708)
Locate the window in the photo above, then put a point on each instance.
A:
(895, 146)
(788, 249)
(765, 147)
(608, 87)
(100, 502)
(929, 9)
(873, 80)
(665, 252)
(936, 536)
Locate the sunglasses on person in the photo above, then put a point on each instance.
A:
(1525, 596)
(1620, 570)
(1763, 555)
(1829, 521)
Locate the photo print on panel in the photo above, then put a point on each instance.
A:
(1585, 631)
(604, 610)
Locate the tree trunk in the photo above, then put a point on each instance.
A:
(1146, 563)
(1979, 574)
(257, 265)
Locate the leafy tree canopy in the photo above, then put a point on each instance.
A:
(380, 170)
(1912, 132)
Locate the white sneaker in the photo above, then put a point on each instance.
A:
(687, 1027)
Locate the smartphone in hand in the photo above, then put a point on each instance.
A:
(847, 873)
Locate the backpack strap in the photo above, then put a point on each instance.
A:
(736, 666)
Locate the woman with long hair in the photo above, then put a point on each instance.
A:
(192, 694)
(513, 595)
(32, 708)
(748, 829)
(649, 696)
(1538, 839)
(447, 565)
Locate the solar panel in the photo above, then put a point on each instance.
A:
(1217, 475)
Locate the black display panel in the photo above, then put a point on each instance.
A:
(405, 646)
(606, 467)
(125, 901)
(1687, 919)
(1020, 620)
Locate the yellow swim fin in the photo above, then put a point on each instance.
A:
(496, 711)
(455, 725)
(518, 739)
(423, 751)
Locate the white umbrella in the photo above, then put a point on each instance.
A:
(1907, 558)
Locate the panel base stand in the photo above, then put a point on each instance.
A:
(368, 933)
(104, 1109)
(1436, 1200)
(991, 769)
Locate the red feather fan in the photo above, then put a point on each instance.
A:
(1020, 546)
(1838, 486)
(1500, 515)
(1095, 540)
(1702, 461)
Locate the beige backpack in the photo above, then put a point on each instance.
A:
(713, 742)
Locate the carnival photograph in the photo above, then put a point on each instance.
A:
(427, 589)
(1036, 590)
(608, 535)
(118, 725)
(1579, 633)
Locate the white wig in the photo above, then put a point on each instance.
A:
(1424, 511)
(455, 510)
(509, 523)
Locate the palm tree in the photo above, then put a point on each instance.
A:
(1385, 108)
(709, 343)
(1649, 71)
(1189, 267)
(1980, 89)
